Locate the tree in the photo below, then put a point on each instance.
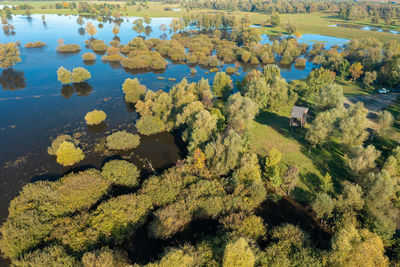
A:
(64, 76)
(115, 30)
(356, 70)
(369, 77)
(133, 90)
(322, 128)
(385, 122)
(323, 205)
(80, 21)
(122, 140)
(240, 111)
(391, 71)
(362, 160)
(272, 169)
(9, 55)
(95, 117)
(291, 27)
(352, 126)
(318, 79)
(239, 254)
(67, 154)
(138, 26)
(274, 19)
(80, 75)
(290, 178)
(90, 29)
(329, 97)
(222, 85)
(121, 172)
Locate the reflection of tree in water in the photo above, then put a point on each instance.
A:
(116, 38)
(148, 30)
(67, 91)
(97, 128)
(81, 89)
(81, 31)
(163, 36)
(12, 80)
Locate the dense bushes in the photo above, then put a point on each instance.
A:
(121, 172)
(95, 117)
(144, 60)
(78, 75)
(122, 140)
(68, 48)
(133, 90)
(98, 45)
(34, 44)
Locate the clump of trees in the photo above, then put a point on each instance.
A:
(78, 75)
(122, 140)
(133, 90)
(9, 55)
(95, 117)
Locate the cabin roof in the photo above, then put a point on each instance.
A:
(298, 112)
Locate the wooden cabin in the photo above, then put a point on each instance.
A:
(298, 116)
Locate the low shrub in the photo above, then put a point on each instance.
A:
(112, 58)
(95, 117)
(122, 140)
(80, 75)
(133, 90)
(149, 125)
(68, 48)
(121, 172)
(34, 44)
(89, 56)
(144, 60)
(230, 70)
(98, 46)
(67, 154)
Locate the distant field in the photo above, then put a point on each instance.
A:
(315, 23)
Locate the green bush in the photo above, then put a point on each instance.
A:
(133, 90)
(68, 48)
(144, 60)
(238, 254)
(114, 43)
(48, 256)
(64, 76)
(120, 217)
(52, 150)
(95, 117)
(80, 75)
(67, 154)
(34, 44)
(122, 140)
(148, 125)
(89, 56)
(121, 172)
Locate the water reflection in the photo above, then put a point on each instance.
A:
(97, 128)
(81, 89)
(12, 80)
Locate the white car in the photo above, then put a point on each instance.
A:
(383, 91)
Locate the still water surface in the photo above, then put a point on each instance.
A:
(35, 107)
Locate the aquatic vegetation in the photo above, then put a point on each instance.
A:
(52, 150)
(133, 90)
(144, 60)
(80, 75)
(95, 117)
(121, 172)
(9, 55)
(149, 125)
(64, 76)
(34, 44)
(68, 48)
(122, 140)
(67, 154)
(300, 62)
(97, 45)
(88, 56)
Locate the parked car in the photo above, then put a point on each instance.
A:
(383, 91)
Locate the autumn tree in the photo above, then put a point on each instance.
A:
(385, 122)
(318, 79)
(9, 55)
(115, 30)
(90, 29)
(356, 70)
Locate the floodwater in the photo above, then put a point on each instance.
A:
(36, 108)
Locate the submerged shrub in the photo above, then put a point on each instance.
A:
(64, 76)
(95, 117)
(300, 62)
(98, 46)
(80, 75)
(68, 48)
(52, 150)
(88, 56)
(230, 70)
(149, 125)
(122, 140)
(67, 154)
(34, 44)
(121, 172)
(133, 90)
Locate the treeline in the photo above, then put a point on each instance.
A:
(375, 12)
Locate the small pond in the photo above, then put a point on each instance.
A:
(35, 107)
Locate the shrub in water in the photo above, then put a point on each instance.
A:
(121, 172)
(80, 75)
(64, 76)
(300, 62)
(98, 46)
(95, 117)
(52, 150)
(88, 56)
(34, 44)
(122, 140)
(67, 154)
(230, 70)
(149, 125)
(68, 48)
(133, 90)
